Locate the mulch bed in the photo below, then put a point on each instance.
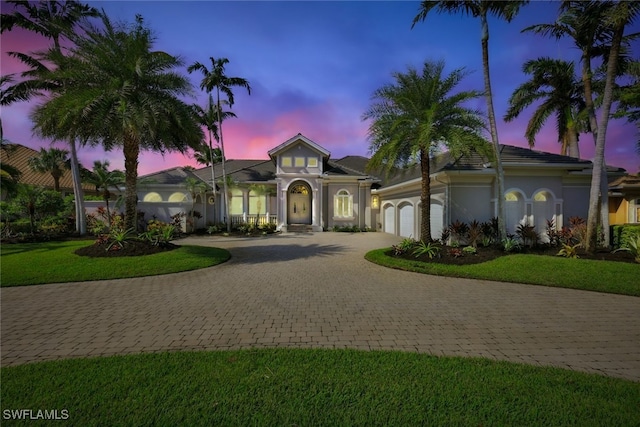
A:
(490, 253)
(131, 248)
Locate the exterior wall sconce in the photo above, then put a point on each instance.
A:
(375, 202)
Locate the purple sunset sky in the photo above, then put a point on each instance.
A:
(313, 67)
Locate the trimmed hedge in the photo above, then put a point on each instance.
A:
(622, 234)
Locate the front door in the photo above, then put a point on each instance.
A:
(299, 204)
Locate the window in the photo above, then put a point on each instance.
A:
(152, 197)
(299, 162)
(343, 204)
(178, 197)
(286, 162)
(257, 203)
(235, 202)
(312, 162)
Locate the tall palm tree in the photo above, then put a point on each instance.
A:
(554, 83)
(506, 10)
(216, 79)
(209, 119)
(204, 155)
(121, 93)
(413, 117)
(629, 98)
(618, 17)
(104, 180)
(584, 22)
(52, 161)
(55, 20)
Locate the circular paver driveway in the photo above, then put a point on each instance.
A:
(316, 290)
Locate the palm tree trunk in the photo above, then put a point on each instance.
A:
(425, 196)
(573, 149)
(81, 220)
(213, 176)
(502, 228)
(599, 173)
(131, 152)
(593, 124)
(224, 172)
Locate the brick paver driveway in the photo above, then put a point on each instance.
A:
(316, 290)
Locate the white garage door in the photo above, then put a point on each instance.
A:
(406, 221)
(437, 220)
(389, 220)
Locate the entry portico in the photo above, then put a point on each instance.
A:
(299, 179)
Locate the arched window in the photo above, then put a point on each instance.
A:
(178, 197)
(152, 197)
(343, 204)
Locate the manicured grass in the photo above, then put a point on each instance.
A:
(54, 262)
(316, 387)
(602, 276)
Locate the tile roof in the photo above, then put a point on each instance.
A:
(18, 156)
(171, 176)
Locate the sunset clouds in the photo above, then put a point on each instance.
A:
(313, 67)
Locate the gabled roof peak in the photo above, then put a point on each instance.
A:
(299, 137)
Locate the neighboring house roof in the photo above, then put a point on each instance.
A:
(18, 156)
(629, 185)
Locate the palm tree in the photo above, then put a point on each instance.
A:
(216, 79)
(621, 14)
(194, 187)
(629, 97)
(482, 9)
(104, 179)
(417, 114)
(554, 83)
(52, 161)
(209, 119)
(262, 190)
(584, 22)
(54, 20)
(119, 92)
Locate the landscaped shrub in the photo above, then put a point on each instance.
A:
(527, 234)
(511, 245)
(569, 251)
(470, 250)
(474, 234)
(623, 233)
(459, 231)
(632, 245)
(404, 246)
(159, 233)
(430, 249)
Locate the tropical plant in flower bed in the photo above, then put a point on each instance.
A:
(632, 246)
(569, 251)
(474, 233)
(459, 231)
(455, 252)
(117, 238)
(159, 233)
(430, 249)
(404, 246)
(511, 244)
(527, 234)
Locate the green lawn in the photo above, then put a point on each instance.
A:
(316, 387)
(53, 262)
(601, 276)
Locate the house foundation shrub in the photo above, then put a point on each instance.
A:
(623, 234)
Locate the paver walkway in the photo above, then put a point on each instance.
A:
(316, 290)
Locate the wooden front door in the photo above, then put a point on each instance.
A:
(299, 204)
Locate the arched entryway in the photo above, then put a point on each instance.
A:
(299, 203)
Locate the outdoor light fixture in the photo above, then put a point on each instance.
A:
(375, 201)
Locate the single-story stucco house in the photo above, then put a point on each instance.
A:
(301, 188)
